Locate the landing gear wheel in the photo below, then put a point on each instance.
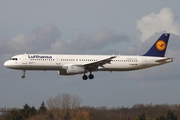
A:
(84, 77)
(23, 76)
(91, 76)
(24, 72)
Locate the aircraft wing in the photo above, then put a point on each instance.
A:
(164, 60)
(96, 64)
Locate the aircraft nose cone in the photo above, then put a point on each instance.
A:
(7, 64)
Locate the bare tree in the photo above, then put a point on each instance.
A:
(64, 105)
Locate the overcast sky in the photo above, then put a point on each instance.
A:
(89, 27)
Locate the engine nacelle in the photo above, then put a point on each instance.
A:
(71, 70)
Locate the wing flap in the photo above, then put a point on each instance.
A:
(96, 64)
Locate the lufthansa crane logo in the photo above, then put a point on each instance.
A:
(160, 45)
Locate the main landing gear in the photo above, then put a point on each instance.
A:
(24, 72)
(85, 77)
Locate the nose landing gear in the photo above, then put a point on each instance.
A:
(24, 72)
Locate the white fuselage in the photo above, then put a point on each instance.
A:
(81, 64)
(56, 62)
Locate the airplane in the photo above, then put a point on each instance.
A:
(67, 64)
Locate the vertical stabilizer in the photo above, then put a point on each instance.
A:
(159, 47)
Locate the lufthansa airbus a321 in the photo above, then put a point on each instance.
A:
(67, 64)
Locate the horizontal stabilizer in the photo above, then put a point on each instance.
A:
(165, 60)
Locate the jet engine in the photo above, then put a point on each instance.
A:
(71, 70)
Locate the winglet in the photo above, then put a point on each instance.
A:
(159, 47)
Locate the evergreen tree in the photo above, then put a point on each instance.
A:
(171, 116)
(42, 108)
(141, 117)
(161, 118)
(25, 111)
(33, 111)
(28, 111)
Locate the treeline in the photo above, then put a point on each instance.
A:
(67, 107)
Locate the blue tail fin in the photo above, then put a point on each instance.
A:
(159, 47)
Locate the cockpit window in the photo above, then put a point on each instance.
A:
(13, 59)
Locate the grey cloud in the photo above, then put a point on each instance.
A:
(46, 34)
(98, 40)
(41, 39)
(82, 43)
(47, 39)
(14, 45)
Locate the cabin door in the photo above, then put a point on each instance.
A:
(58, 60)
(144, 61)
(24, 59)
